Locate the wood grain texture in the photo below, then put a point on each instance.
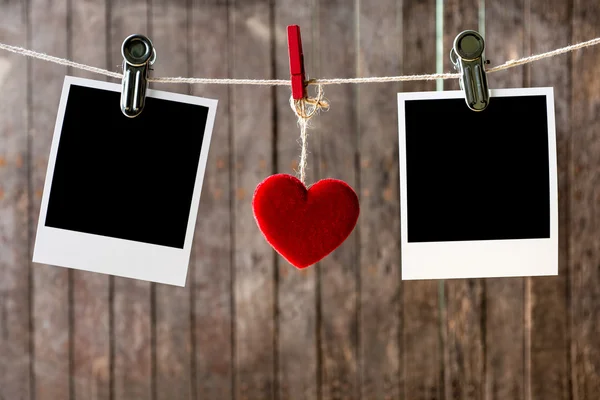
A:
(251, 113)
(550, 28)
(15, 367)
(132, 376)
(90, 298)
(422, 347)
(464, 303)
(459, 15)
(297, 297)
(346, 328)
(48, 28)
(584, 206)
(504, 297)
(168, 32)
(379, 33)
(337, 133)
(465, 368)
(210, 266)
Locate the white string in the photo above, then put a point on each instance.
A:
(530, 59)
(284, 82)
(57, 60)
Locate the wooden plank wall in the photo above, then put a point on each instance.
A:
(247, 325)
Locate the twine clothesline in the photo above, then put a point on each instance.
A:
(284, 82)
(307, 107)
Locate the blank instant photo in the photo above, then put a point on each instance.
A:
(478, 190)
(121, 194)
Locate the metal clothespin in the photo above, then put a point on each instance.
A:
(467, 57)
(297, 72)
(138, 56)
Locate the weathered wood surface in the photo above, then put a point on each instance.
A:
(254, 286)
(584, 202)
(51, 308)
(298, 322)
(90, 293)
(463, 313)
(549, 370)
(503, 325)
(132, 328)
(337, 133)
(172, 329)
(211, 266)
(421, 345)
(380, 305)
(248, 325)
(15, 333)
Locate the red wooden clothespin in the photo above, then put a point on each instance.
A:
(297, 72)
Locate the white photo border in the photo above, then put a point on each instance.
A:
(108, 255)
(486, 258)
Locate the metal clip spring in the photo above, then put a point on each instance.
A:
(467, 57)
(138, 56)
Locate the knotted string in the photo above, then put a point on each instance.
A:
(305, 109)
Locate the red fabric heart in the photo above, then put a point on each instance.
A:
(304, 225)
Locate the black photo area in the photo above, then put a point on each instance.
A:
(477, 175)
(126, 178)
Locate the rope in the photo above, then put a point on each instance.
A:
(286, 82)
